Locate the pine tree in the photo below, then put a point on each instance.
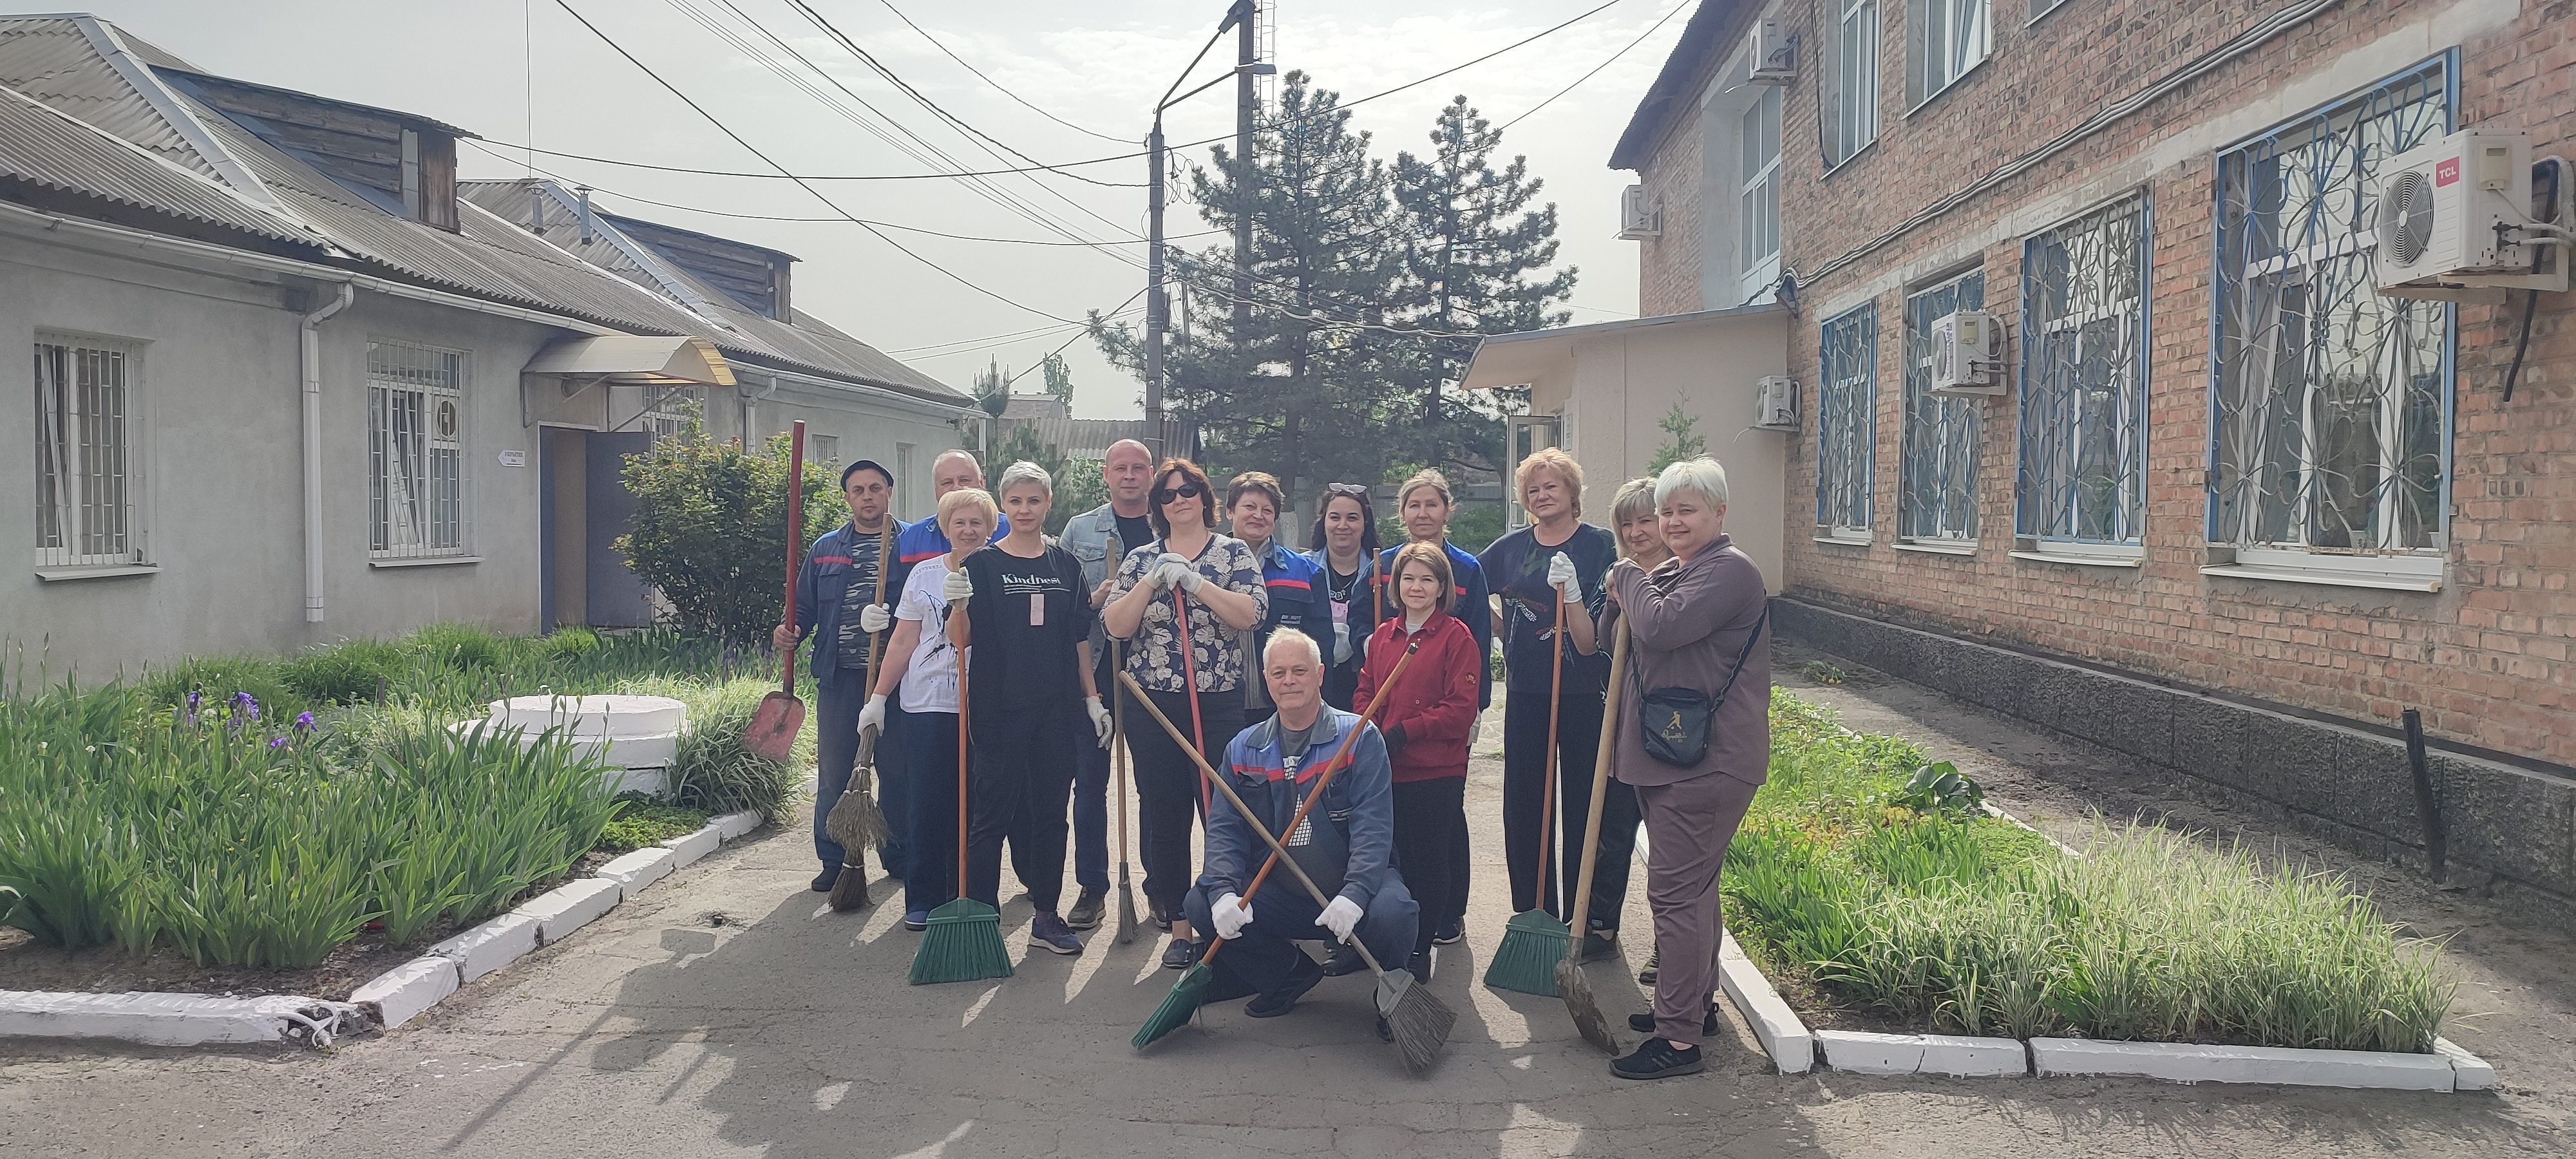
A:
(1059, 377)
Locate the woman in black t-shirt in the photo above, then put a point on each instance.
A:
(1029, 689)
(1346, 550)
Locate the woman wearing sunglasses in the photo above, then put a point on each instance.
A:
(1345, 555)
(1193, 672)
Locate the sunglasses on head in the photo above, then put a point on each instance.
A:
(1353, 490)
(1184, 491)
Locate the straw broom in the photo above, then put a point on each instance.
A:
(1417, 1022)
(963, 941)
(1533, 940)
(865, 824)
(1570, 982)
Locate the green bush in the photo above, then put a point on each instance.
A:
(463, 647)
(645, 823)
(349, 672)
(710, 529)
(712, 770)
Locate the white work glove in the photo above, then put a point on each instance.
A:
(1099, 719)
(1229, 916)
(1175, 568)
(875, 618)
(1560, 575)
(1154, 579)
(872, 718)
(1341, 644)
(1341, 917)
(956, 588)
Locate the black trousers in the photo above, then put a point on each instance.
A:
(1023, 779)
(1167, 783)
(1578, 742)
(931, 879)
(1430, 842)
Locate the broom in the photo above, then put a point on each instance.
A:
(1127, 922)
(962, 941)
(865, 824)
(1570, 982)
(1533, 940)
(1417, 1022)
(1187, 993)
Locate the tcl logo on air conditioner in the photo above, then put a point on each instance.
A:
(2446, 171)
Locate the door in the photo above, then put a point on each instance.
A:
(612, 591)
(563, 483)
(1528, 435)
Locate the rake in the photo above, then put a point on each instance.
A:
(1533, 940)
(1570, 982)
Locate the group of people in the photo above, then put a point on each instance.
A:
(1363, 663)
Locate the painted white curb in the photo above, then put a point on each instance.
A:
(2194, 1063)
(571, 906)
(401, 993)
(685, 850)
(633, 871)
(1966, 1057)
(489, 946)
(167, 1019)
(733, 825)
(1863, 1052)
(2468, 1071)
(1783, 1036)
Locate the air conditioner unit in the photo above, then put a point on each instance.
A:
(1638, 220)
(1775, 403)
(1967, 354)
(2456, 217)
(1775, 55)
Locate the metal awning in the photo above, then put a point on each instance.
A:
(635, 358)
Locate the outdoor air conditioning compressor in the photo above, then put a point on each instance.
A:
(2456, 220)
(1775, 403)
(1967, 354)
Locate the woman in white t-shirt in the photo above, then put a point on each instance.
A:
(925, 667)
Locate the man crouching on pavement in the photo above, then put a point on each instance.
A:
(1346, 844)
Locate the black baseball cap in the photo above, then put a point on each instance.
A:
(866, 465)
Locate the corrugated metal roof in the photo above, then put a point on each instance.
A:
(52, 60)
(41, 145)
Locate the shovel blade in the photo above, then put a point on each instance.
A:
(772, 733)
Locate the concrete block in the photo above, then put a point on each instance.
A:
(2468, 1071)
(2193, 1063)
(2288, 761)
(401, 993)
(1782, 1034)
(156, 1019)
(2373, 787)
(2517, 823)
(2138, 720)
(694, 846)
(1961, 1056)
(489, 946)
(2209, 739)
(633, 871)
(733, 825)
(571, 906)
(1862, 1052)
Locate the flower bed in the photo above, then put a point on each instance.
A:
(1907, 904)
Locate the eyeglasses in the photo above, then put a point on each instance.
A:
(1184, 491)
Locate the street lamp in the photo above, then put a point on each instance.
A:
(1158, 309)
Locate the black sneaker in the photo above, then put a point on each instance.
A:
(1162, 921)
(823, 881)
(1050, 932)
(1645, 1023)
(1181, 954)
(1658, 1059)
(1345, 960)
(1451, 934)
(1646, 974)
(1086, 910)
(1280, 999)
(916, 920)
(1421, 965)
(1600, 945)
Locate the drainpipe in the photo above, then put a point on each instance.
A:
(311, 334)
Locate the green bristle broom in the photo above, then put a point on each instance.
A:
(1533, 941)
(963, 941)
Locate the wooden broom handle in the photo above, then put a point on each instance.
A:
(1547, 779)
(795, 544)
(1600, 788)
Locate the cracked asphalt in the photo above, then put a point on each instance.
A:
(725, 1013)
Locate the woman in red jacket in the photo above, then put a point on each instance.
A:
(1426, 721)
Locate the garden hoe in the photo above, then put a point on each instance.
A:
(1533, 940)
(1408, 1015)
(772, 733)
(1570, 982)
(964, 940)
(855, 822)
(1118, 752)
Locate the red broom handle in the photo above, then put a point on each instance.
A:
(795, 545)
(1190, 685)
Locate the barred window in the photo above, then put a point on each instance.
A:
(416, 449)
(1847, 423)
(1851, 80)
(2082, 473)
(669, 409)
(2331, 404)
(1936, 493)
(827, 451)
(84, 459)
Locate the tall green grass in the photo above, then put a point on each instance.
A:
(1957, 920)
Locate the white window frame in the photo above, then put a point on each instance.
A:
(827, 449)
(1851, 81)
(1527, 435)
(1847, 425)
(907, 465)
(421, 513)
(669, 408)
(1758, 194)
(95, 514)
(1945, 40)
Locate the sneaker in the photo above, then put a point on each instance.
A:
(1451, 934)
(1181, 954)
(1162, 921)
(1646, 974)
(916, 920)
(1645, 1023)
(1658, 1059)
(1600, 945)
(1345, 960)
(1086, 910)
(823, 881)
(1281, 998)
(1421, 965)
(1385, 1032)
(1050, 932)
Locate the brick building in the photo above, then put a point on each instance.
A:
(2232, 511)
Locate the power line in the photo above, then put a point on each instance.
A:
(997, 85)
(1578, 81)
(674, 90)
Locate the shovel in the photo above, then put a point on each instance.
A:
(772, 733)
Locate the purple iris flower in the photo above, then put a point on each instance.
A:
(304, 722)
(277, 742)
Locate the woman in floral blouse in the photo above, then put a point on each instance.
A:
(1219, 581)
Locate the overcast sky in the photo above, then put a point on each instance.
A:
(495, 66)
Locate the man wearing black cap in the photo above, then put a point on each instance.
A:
(837, 600)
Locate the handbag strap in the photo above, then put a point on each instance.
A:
(1741, 656)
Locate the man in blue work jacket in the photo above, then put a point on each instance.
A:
(838, 603)
(1346, 843)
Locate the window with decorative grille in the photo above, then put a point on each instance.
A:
(1847, 423)
(85, 486)
(2330, 404)
(2082, 461)
(416, 450)
(669, 409)
(1936, 493)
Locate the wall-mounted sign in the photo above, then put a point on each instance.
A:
(514, 458)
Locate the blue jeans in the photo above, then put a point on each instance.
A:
(1091, 814)
(836, 750)
(1284, 913)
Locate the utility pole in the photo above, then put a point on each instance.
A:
(1158, 306)
(1247, 105)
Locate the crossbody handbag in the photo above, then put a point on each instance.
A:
(1675, 721)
